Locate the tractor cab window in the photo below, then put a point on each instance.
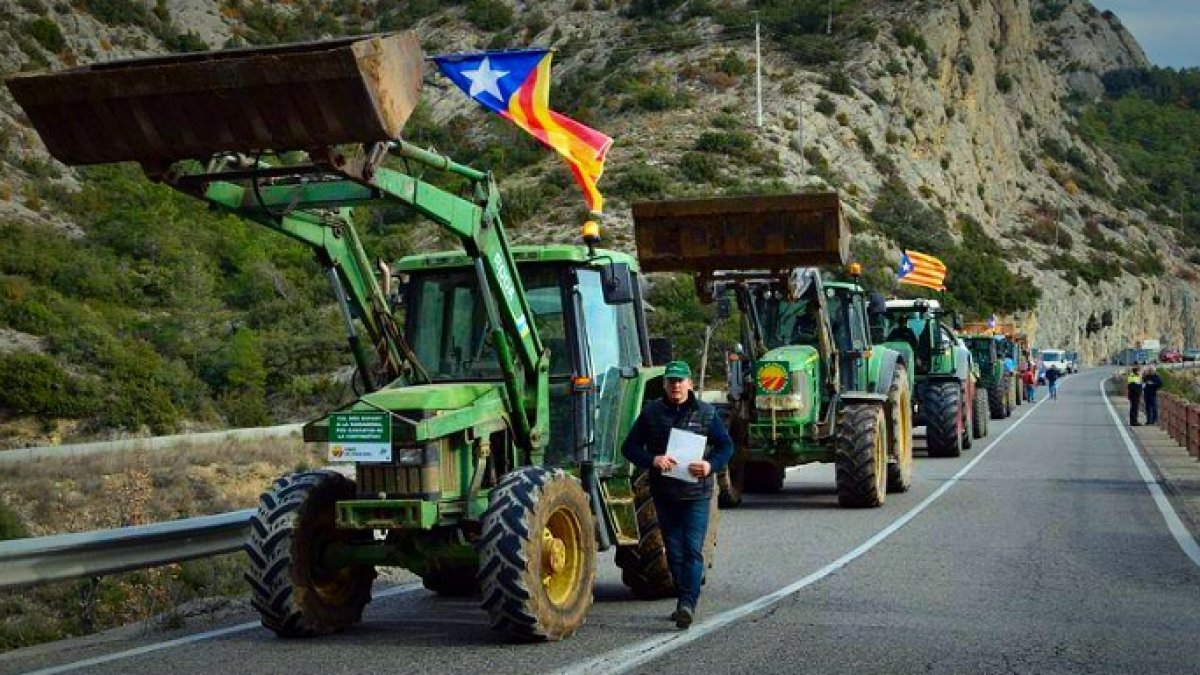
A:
(453, 339)
(611, 329)
(786, 322)
(841, 320)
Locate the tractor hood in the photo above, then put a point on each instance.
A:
(798, 357)
(430, 411)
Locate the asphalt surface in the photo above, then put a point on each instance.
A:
(1047, 554)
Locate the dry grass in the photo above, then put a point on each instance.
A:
(132, 488)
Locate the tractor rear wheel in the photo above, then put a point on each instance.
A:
(899, 421)
(861, 456)
(943, 419)
(997, 398)
(730, 483)
(760, 477)
(296, 595)
(537, 555)
(979, 413)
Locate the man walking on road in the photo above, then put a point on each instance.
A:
(682, 505)
(1052, 382)
(1151, 383)
(1133, 388)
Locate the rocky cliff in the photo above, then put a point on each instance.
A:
(957, 99)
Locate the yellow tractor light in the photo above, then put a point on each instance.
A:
(855, 270)
(591, 231)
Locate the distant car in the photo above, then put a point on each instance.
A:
(1170, 356)
(1191, 355)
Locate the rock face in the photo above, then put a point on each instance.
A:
(962, 120)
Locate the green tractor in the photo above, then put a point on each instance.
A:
(498, 382)
(806, 385)
(948, 403)
(994, 378)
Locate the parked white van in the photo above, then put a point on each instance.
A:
(1056, 359)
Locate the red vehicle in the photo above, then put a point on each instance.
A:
(1170, 356)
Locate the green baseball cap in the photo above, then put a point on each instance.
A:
(678, 370)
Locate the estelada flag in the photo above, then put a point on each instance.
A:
(516, 84)
(920, 269)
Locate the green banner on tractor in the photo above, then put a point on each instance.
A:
(360, 437)
(772, 378)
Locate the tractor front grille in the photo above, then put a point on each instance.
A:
(394, 481)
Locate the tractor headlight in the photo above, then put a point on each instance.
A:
(796, 403)
(409, 456)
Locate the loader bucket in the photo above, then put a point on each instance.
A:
(768, 232)
(159, 110)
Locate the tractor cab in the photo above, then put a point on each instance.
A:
(592, 335)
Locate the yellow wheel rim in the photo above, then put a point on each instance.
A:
(904, 448)
(562, 555)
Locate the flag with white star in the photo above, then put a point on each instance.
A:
(921, 269)
(516, 85)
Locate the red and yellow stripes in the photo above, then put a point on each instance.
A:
(584, 148)
(927, 271)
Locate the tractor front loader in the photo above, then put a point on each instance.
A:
(806, 384)
(499, 381)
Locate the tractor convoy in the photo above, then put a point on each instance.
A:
(498, 382)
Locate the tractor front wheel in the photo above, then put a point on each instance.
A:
(295, 594)
(761, 477)
(899, 418)
(730, 483)
(980, 413)
(997, 397)
(537, 555)
(943, 419)
(861, 456)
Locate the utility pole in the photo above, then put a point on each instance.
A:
(758, 69)
(829, 23)
(800, 127)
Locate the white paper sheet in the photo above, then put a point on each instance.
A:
(686, 448)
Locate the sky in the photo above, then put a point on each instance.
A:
(1166, 29)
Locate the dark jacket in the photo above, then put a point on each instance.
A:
(1150, 386)
(648, 439)
(1051, 374)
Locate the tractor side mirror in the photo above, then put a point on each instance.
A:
(660, 351)
(957, 321)
(617, 281)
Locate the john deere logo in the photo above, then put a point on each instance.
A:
(772, 377)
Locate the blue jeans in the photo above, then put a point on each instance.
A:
(1053, 388)
(1030, 393)
(1152, 409)
(684, 524)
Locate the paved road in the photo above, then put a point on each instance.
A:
(1046, 554)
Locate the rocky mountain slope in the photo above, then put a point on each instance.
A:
(965, 104)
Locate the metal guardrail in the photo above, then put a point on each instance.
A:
(26, 562)
(154, 443)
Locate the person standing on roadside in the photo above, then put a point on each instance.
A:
(1151, 383)
(1133, 388)
(682, 506)
(1052, 383)
(1030, 381)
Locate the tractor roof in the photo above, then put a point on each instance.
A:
(523, 254)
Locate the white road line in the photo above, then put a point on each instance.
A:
(198, 637)
(1174, 524)
(627, 658)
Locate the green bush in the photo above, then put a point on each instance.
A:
(47, 33)
(34, 384)
(907, 35)
(725, 143)
(700, 167)
(11, 526)
(641, 181)
(489, 15)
